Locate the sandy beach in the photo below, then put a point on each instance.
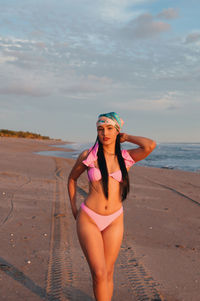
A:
(40, 257)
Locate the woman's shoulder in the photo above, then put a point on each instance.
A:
(83, 155)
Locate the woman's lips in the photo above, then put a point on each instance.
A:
(105, 139)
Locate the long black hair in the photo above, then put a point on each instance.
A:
(124, 185)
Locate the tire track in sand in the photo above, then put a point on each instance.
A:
(8, 196)
(173, 190)
(59, 275)
(140, 283)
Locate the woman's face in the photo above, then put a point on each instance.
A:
(107, 133)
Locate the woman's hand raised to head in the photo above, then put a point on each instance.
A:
(123, 137)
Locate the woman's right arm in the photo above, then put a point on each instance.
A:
(75, 173)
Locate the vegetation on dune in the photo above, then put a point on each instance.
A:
(21, 134)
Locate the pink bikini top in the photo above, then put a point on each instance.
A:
(94, 173)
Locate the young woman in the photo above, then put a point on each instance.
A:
(99, 219)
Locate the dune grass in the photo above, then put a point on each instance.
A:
(21, 134)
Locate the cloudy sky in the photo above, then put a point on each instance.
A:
(64, 62)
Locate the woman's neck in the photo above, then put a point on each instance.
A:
(109, 149)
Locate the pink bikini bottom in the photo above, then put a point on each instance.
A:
(102, 221)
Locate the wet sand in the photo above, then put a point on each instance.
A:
(40, 257)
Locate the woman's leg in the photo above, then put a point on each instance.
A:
(112, 239)
(91, 241)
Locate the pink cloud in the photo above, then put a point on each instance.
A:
(169, 13)
(23, 89)
(145, 26)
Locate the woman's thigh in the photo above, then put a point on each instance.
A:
(91, 241)
(112, 239)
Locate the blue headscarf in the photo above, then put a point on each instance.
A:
(110, 118)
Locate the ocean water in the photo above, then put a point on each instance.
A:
(183, 156)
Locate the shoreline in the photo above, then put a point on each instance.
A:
(70, 150)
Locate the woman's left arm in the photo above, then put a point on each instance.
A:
(146, 146)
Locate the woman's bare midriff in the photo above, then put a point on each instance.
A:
(96, 199)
